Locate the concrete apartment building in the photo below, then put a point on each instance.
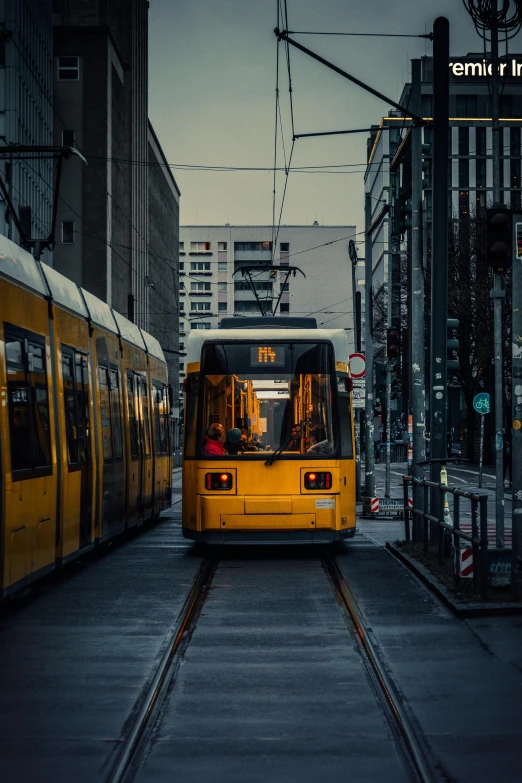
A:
(26, 115)
(212, 286)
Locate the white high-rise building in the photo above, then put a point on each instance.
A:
(212, 284)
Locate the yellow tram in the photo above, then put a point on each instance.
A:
(84, 421)
(268, 443)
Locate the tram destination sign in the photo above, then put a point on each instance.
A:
(267, 355)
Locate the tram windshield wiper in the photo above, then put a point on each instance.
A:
(282, 446)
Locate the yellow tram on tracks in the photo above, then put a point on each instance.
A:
(268, 442)
(84, 421)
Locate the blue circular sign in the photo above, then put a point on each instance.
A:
(481, 403)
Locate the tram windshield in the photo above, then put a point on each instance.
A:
(258, 397)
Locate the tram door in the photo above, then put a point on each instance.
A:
(146, 461)
(135, 472)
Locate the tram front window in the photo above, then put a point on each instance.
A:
(258, 397)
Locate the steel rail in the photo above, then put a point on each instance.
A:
(149, 705)
(405, 736)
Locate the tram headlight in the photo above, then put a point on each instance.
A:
(218, 481)
(318, 480)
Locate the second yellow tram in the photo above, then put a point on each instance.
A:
(269, 444)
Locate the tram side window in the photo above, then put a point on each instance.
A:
(71, 412)
(28, 401)
(133, 433)
(116, 413)
(105, 409)
(146, 421)
(160, 417)
(82, 401)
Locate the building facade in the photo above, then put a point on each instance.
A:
(212, 284)
(26, 115)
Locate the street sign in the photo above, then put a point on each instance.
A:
(357, 365)
(481, 403)
(358, 394)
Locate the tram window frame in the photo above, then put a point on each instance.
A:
(115, 408)
(199, 426)
(134, 440)
(160, 418)
(37, 412)
(107, 449)
(79, 443)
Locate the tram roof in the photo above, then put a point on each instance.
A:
(19, 265)
(197, 337)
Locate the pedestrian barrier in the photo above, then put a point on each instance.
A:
(477, 539)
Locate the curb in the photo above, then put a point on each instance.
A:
(459, 608)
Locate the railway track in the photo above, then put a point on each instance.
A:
(137, 734)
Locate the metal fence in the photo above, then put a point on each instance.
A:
(420, 520)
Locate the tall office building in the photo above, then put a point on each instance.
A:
(212, 284)
(26, 116)
(112, 239)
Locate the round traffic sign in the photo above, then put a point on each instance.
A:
(357, 365)
(481, 403)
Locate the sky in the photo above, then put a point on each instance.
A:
(212, 88)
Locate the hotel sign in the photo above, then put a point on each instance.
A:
(481, 68)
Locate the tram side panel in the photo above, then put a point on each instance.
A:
(73, 374)
(190, 465)
(27, 414)
(107, 383)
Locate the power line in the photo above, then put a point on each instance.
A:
(364, 35)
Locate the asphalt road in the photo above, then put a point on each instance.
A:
(270, 687)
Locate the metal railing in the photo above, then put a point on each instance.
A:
(421, 520)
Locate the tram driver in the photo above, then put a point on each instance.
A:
(214, 440)
(319, 441)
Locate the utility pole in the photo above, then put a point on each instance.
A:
(516, 406)
(439, 257)
(417, 299)
(369, 461)
(497, 294)
(352, 252)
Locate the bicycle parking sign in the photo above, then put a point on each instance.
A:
(481, 403)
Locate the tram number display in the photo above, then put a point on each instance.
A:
(267, 355)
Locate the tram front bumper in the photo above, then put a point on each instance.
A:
(261, 537)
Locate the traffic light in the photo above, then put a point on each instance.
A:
(452, 345)
(499, 238)
(393, 342)
(401, 220)
(380, 383)
(426, 166)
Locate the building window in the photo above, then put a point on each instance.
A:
(463, 173)
(284, 307)
(181, 346)
(464, 205)
(506, 106)
(284, 286)
(200, 286)
(200, 306)
(463, 141)
(222, 286)
(222, 307)
(480, 143)
(285, 247)
(515, 199)
(251, 247)
(515, 173)
(182, 246)
(222, 245)
(67, 138)
(466, 106)
(202, 325)
(182, 366)
(481, 173)
(222, 266)
(68, 68)
(181, 266)
(199, 247)
(200, 266)
(514, 142)
(68, 232)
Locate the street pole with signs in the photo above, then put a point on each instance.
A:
(482, 405)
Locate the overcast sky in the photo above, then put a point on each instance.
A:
(212, 76)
